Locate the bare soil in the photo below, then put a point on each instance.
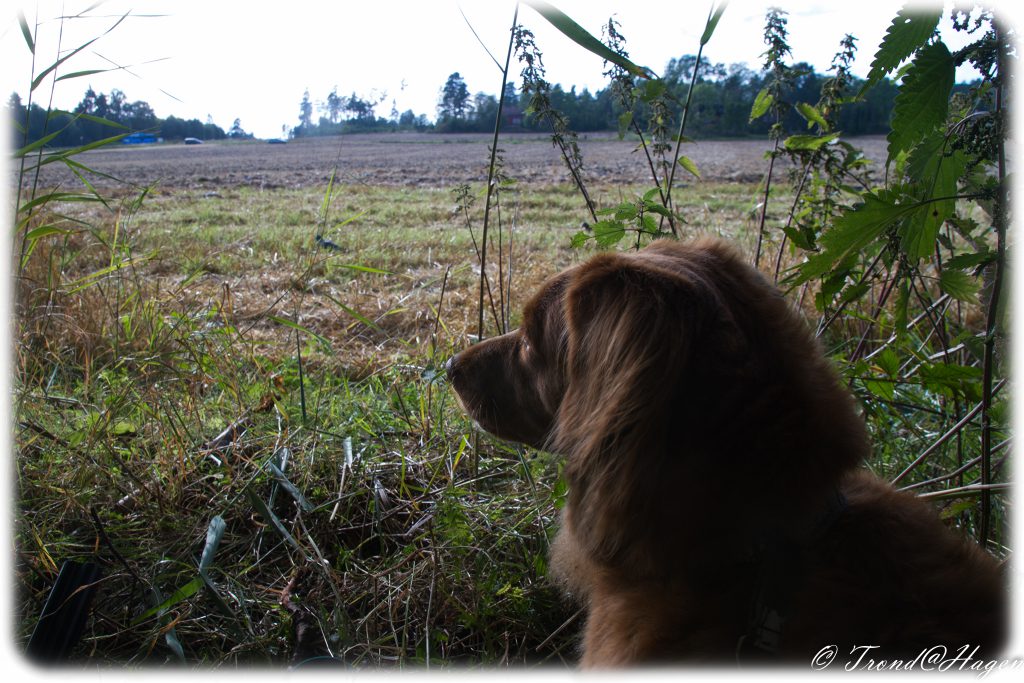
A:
(410, 159)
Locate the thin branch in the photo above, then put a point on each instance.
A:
(945, 437)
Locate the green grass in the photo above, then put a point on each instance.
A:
(406, 536)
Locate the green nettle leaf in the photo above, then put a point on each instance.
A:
(901, 311)
(797, 237)
(809, 142)
(812, 115)
(625, 121)
(935, 174)
(579, 239)
(762, 102)
(923, 99)
(649, 224)
(919, 232)
(971, 260)
(608, 233)
(951, 380)
(959, 285)
(888, 361)
(883, 389)
(866, 222)
(626, 211)
(908, 31)
(689, 165)
(651, 90)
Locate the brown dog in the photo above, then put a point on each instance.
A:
(716, 509)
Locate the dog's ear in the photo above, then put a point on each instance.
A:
(633, 327)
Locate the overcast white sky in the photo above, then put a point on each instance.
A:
(252, 61)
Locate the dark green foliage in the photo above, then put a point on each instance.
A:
(923, 100)
(907, 32)
(94, 118)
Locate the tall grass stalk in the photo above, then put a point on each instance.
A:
(491, 178)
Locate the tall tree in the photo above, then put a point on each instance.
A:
(237, 131)
(335, 105)
(454, 104)
(306, 111)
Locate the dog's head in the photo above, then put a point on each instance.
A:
(665, 370)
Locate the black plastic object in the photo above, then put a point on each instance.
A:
(63, 618)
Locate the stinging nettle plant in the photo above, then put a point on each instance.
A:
(903, 264)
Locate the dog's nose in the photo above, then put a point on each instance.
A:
(449, 366)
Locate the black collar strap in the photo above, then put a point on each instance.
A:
(777, 577)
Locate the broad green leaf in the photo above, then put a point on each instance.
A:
(973, 260)
(883, 389)
(579, 239)
(951, 510)
(812, 115)
(923, 98)
(799, 238)
(712, 23)
(888, 361)
(951, 380)
(649, 91)
(651, 194)
(809, 142)
(866, 222)
(625, 121)
(959, 285)
(854, 292)
(654, 207)
(689, 165)
(581, 37)
(908, 31)
(935, 174)
(648, 224)
(762, 102)
(608, 233)
(901, 311)
(626, 211)
(124, 428)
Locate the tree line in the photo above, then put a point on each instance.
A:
(720, 107)
(99, 116)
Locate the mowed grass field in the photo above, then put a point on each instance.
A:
(246, 427)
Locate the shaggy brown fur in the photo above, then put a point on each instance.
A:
(709, 449)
